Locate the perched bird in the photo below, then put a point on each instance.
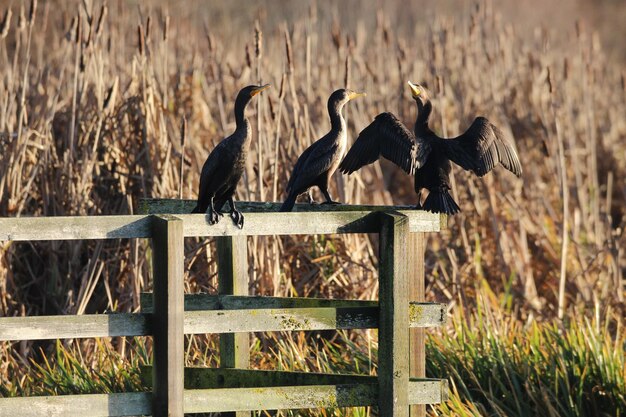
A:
(225, 165)
(428, 156)
(320, 160)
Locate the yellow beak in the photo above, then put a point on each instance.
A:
(259, 89)
(415, 89)
(353, 94)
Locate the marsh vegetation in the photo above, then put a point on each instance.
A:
(92, 97)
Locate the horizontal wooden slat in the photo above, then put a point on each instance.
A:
(299, 319)
(275, 398)
(210, 378)
(260, 224)
(232, 313)
(122, 404)
(421, 391)
(427, 314)
(324, 220)
(427, 391)
(354, 315)
(69, 327)
(302, 319)
(196, 302)
(286, 319)
(305, 219)
(73, 228)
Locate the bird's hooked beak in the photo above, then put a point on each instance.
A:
(415, 89)
(257, 90)
(353, 94)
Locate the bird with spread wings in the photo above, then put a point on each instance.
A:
(427, 156)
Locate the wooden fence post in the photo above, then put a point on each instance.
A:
(393, 332)
(232, 272)
(168, 315)
(416, 293)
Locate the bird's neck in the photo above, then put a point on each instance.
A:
(337, 121)
(423, 113)
(242, 131)
(240, 108)
(243, 127)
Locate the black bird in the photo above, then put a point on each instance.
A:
(427, 155)
(320, 160)
(225, 165)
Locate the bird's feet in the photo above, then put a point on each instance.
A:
(214, 216)
(237, 217)
(331, 202)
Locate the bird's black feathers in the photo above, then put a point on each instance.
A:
(440, 201)
(386, 136)
(318, 162)
(313, 162)
(428, 156)
(224, 166)
(481, 148)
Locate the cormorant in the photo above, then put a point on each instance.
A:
(427, 155)
(225, 165)
(320, 160)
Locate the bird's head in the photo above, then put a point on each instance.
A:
(243, 98)
(252, 90)
(256, 89)
(246, 93)
(342, 96)
(419, 93)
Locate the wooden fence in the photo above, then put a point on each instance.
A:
(168, 314)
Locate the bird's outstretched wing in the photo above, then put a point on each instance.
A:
(386, 136)
(481, 148)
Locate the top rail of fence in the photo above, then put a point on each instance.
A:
(260, 219)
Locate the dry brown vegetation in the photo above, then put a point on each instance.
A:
(92, 97)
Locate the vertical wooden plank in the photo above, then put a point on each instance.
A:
(393, 332)
(232, 265)
(168, 293)
(416, 293)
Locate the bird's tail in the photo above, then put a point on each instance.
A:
(289, 202)
(440, 201)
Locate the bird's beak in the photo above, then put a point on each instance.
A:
(415, 90)
(257, 90)
(353, 94)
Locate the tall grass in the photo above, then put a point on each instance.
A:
(93, 95)
(501, 367)
(496, 365)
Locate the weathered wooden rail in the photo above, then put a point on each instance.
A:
(167, 314)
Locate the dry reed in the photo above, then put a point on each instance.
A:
(87, 123)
